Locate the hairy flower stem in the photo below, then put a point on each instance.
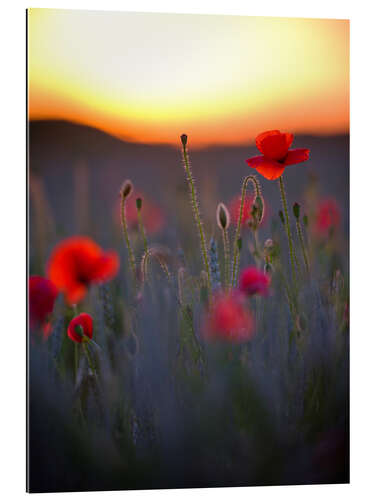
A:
(288, 232)
(302, 243)
(257, 248)
(197, 214)
(257, 190)
(142, 230)
(76, 353)
(226, 258)
(127, 240)
(89, 360)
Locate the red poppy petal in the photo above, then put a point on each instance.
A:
(75, 293)
(270, 169)
(296, 156)
(274, 144)
(259, 138)
(106, 267)
(85, 320)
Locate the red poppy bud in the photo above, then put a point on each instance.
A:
(80, 327)
(253, 281)
(42, 296)
(228, 320)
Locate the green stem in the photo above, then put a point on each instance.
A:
(142, 230)
(127, 240)
(302, 243)
(287, 225)
(197, 215)
(89, 360)
(76, 353)
(254, 180)
(226, 258)
(256, 248)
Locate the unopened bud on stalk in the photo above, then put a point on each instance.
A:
(296, 210)
(281, 215)
(126, 189)
(222, 216)
(138, 203)
(184, 139)
(268, 243)
(239, 244)
(268, 269)
(258, 209)
(301, 323)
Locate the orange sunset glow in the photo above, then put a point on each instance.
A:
(220, 79)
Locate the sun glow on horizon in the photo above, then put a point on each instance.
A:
(220, 79)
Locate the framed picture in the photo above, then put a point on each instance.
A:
(188, 250)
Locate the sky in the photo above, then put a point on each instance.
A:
(220, 79)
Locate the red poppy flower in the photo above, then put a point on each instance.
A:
(42, 296)
(78, 262)
(228, 320)
(276, 154)
(152, 215)
(328, 217)
(235, 206)
(80, 326)
(253, 281)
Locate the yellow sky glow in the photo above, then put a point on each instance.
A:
(220, 79)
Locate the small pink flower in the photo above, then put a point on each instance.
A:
(228, 320)
(328, 217)
(153, 217)
(234, 210)
(253, 281)
(42, 296)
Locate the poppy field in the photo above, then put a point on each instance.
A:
(184, 332)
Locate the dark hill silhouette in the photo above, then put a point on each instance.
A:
(57, 147)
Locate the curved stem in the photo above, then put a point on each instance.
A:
(257, 190)
(154, 252)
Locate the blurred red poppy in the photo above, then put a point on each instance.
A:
(328, 217)
(79, 327)
(228, 320)
(153, 217)
(253, 281)
(42, 296)
(78, 262)
(276, 155)
(234, 210)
